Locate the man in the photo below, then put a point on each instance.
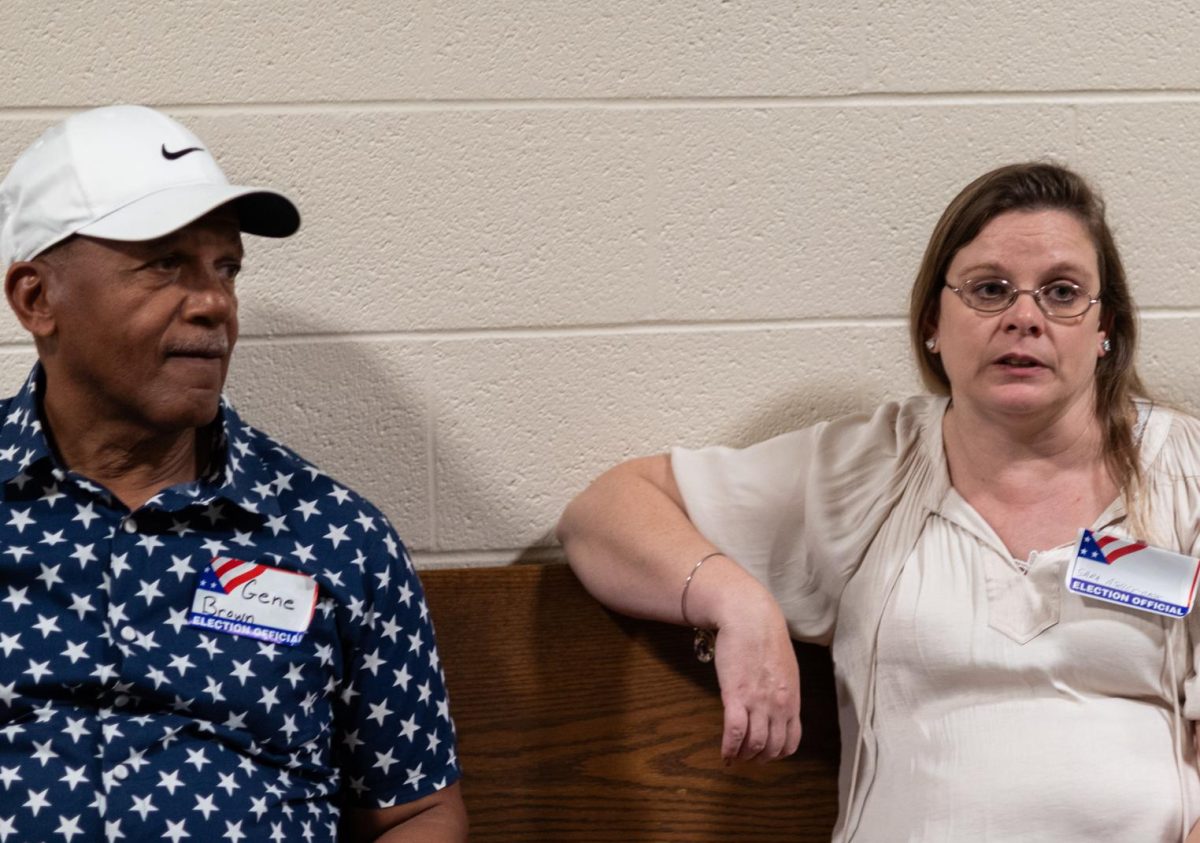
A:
(202, 637)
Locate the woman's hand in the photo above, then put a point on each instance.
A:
(760, 686)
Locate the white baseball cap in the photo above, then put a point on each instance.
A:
(123, 172)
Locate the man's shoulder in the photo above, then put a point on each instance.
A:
(299, 487)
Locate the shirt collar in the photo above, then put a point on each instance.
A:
(235, 471)
(22, 443)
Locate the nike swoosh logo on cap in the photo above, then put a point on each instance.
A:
(171, 156)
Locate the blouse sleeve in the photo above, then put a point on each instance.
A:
(1173, 489)
(799, 510)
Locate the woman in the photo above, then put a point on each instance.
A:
(979, 699)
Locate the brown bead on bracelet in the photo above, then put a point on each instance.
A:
(704, 644)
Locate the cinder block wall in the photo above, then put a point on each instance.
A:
(541, 237)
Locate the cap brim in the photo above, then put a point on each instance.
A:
(260, 211)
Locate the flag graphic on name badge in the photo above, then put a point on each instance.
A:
(1106, 549)
(224, 574)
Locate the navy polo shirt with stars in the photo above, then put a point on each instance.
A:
(119, 720)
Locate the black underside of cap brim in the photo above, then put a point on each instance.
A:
(267, 215)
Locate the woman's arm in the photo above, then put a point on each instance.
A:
(630, 542)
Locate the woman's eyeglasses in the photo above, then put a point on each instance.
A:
(1060, 299)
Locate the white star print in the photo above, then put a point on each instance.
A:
(384, 761)
(81, 604)
(51, 495)
(337, 535)
(182, 664)
(75, 652)
(289, 726)
(170, 781)
(86, 514)
(143, 805)
(150, 543)
(406, 594)
(49, 575)
(37, 801)
(379, 712)
(20, 519)
(52, 538)
(409, 727)
(205, 805)
(149, 590)
(68, 828)
(176, 831)
(181, 566)
(414, 776)
(8, 643)
(37, 670)
(74, 776)
(276, 524)
(241, 672)
(16, 596)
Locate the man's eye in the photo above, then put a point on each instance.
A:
(166, 263)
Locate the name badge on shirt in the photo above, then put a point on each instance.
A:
(1131, 573)
(253, 601)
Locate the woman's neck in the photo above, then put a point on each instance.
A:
(1024, 458)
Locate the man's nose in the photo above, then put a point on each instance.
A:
(210, 298)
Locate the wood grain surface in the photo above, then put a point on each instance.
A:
(576, 724)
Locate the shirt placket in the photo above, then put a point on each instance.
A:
(124, 737)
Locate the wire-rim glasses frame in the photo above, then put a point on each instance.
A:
(995, 295)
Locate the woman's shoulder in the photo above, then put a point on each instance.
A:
(1169, 438)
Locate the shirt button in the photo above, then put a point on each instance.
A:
(120, 772)
(128, 633)
(130, 525)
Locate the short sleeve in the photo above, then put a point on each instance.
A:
(798, 511)
(1172, 478)
(396, 738)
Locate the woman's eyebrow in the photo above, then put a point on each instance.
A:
(985, 266)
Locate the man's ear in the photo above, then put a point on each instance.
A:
(26, 285)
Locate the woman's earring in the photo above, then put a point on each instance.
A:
(1105, 345)
(931, 343)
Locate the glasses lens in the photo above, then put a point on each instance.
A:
(988, 294)
(1063, 298)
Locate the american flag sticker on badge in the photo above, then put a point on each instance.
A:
(1134, 574)
(253, 600)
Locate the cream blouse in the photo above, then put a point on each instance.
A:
(978, 698)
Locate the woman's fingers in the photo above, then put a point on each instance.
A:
(736, 725)
(760, 688)
(792, 743)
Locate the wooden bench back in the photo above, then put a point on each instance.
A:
(576, 724)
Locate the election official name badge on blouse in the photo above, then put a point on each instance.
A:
(1134, 574)
(252, 600)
